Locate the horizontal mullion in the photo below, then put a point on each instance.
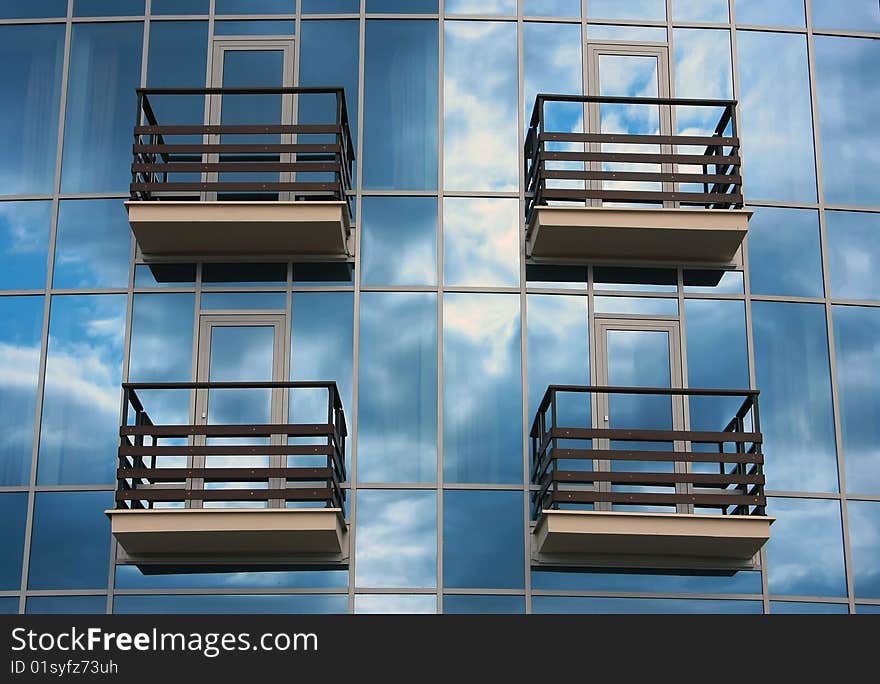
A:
(573, 174)
(641, 158)
(232, 166)
(239, 129)
(656, 435)
(289, 429)
(221, 148)
(230, 186)
(697, 198)
(665, 456)
(690, 140)
(224, 474)
(698, 479)
(657, 499)
(288, 494)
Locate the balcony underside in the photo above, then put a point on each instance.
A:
(182, 537)
(652, 540)
(653, 234)
(221, 228)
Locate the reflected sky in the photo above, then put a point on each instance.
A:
(396, 539)
(19, 375)
(459, 604)
(849, 104)
(482, 410)
(24, 244)
(107, 8)
(864, 526)
(481, 7)
(853, 252)
(792, 372)
(395, 604)
(652, 10)
(481, 242)
(93, 244)
(551, 8)
(178, 53)
(286, 604)
(401, 6)
(80, 431)
(776, 13)
(785, 236)
(805, 608)
(47, 8)
(397, 421)
(805, 551)
(715, 11)
(552, 57)
(483, 539)
(255, 6)
(776, 116)
(30, 94)
(70, 546)
(586, 605)
(857, 347)
(66, 605)
(399, 242)
(105, 65)
(480, 117)
(13, 512)
(854, 15)
(702, 70)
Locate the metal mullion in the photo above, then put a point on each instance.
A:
(441, 206)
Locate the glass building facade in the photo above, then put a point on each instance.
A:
(440, 334)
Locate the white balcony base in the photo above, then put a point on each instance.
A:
(240, 228)
(221, 535)
(654, 234)
(652, 540)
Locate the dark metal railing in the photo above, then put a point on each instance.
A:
(287, 165)
(603, 469)
(151, 471)
(584, 170)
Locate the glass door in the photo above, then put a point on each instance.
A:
(639, 353)
(240, 348)
(252, 64)
(629, 72)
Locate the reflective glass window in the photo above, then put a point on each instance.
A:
(482, 409)
(179, 7)
(397, 420)
(20, 336)
(399, 242)
(218, 604)
(24, 244)
(785, 255)
(400, 105)
(458, 604)
(323, 274)
(177, 57)
(483, 539)
(481, 242)
(66, 605)
(30, 95)
(480, 7)
(776, 13)
(846, 69)
(635, 279)
(805, 551)
(715, 11)
(331, 6)
(254, 28)
(864, 523)
(792, 371)
(13, 512)
(702, 70)
(806, 608)
(853, 251)
(93, 244)
(395, 604)
(9, 606)
(15, 9)
(660, 306)
(403, 6)
(685, 583)
(867, 609)
(651, 34)
(165, 275)
(856, 332)
(255, 6)
(396, 539)
(646, 10)
(80, 429)
(243, 275)
(132, 577)
(105, 68)
(711, 281)
(241, 301)
(70, 544)
(552, 57)
(551, 8)
(583, 605)
(776, 116)
(480, 112)
(853, 15)
(107, 8)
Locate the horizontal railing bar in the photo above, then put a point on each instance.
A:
(700, 437)
(227, 450)
(288, 494)
(229, 186)
(243, 167)
(224, 474)
(573, 174)
(647, 456)
(614, 99)
(239, 129)
(230, 148)
(642, 196)
(640, 158)
(290, 90)
(291, 430)
(659, 479)
(673, 391)
(659, 499)
(690, 140)
(328, 385)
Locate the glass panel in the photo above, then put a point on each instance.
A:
(552, 57)
(776, 116)
(243, 275)
(483, 539)
(93, 244)
(177, 58)
(854, 15)
(131, 577)
(402, 6)
(107, 8)
(556, 277)
(254, 28)
(790, 237)
(776, 13)
(80, 430)
(24, 244)
(482, 410)
(395, 604)
(397, 423)
(255, 6)
(715, 11)
(218, 604)
(481, 7)
(713, 282)
(9, 606)
(165, 275)
(20, 337)
(739, 583)
(244, 301)
(323, 274)
(864, 521)
(629, 34)
(331, 6)
(804, 608)
(658, 306)
(856, 331)
(70, 546)
(179, 7)
(702, 70)
(30, 95)
(481, 242)
(13, 512)
(646, 10)
(66, 605)
(399, 242)
(105, 68)
(457, 604)
(396, 539)
(635, 279)
(551, 8)
(161, 338)
(805, 551)
(15, 9)
(480, 110)
(792, 371)
(853, 250)
(579, 604)
(846, 70)
(400, 101)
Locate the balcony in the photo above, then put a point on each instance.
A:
(255, 188)
(634, 197)
(679, 498)
(217, 493)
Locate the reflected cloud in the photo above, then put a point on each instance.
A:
(24, 244)
(864, 525)
(396, 604)
(702, 70)
(481, 242)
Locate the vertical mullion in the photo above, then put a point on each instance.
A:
(441, 182)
